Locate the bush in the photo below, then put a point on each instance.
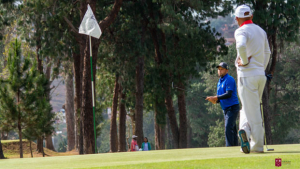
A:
(216, 137)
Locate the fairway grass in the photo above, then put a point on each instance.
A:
(224, 157)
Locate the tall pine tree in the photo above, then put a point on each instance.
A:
(22, 95)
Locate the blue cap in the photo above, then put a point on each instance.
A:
(223, 65)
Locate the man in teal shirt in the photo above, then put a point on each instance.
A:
(227, 97)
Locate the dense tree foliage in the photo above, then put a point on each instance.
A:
(153, 64)
(23, 97)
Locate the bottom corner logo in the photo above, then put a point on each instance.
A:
(278, 162)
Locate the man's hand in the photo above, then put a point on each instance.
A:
(239, 61)
(212, 99)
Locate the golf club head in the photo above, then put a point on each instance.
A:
(271, 149)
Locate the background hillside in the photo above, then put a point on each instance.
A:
(58, 94)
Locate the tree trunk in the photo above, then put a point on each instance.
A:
(30, 149)
(275, 111)
(20, 130)
(122, 122)
(189, 136)
(113, 122)
(132, 117)
(162, 139)
(78, 74)
(78, 64)
(159, 134)
(87, 107)
(40, 146)
(128, 136)
(49, 143)
(70, 110)
(182, 117)
(156, 132)
(43, 149)
(159, 123)
(267, 89)
(139, 99)
(1, 151)
(266, 113)
(169, 134)
(48, 139)
(172, 118)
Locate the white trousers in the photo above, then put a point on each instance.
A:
(250, 90)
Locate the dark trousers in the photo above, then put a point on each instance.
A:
(230, 116)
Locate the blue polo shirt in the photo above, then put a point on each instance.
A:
(227, 83)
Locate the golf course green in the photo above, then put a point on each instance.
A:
(219, 157)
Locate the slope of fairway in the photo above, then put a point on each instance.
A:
(225, 157)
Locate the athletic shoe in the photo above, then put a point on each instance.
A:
(244, 141)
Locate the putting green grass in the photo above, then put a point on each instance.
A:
(224, 157)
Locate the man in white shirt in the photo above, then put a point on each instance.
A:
(253, 54)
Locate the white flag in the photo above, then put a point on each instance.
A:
(89, 24)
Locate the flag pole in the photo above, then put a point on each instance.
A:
(91, 60)
(89, 26)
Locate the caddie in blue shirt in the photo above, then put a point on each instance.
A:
(227, 97)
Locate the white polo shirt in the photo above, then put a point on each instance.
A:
(251, 40)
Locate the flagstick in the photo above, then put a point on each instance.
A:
(91, 60)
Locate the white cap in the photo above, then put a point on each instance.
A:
(241, 10)
(134, 136)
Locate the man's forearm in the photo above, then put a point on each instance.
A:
(243, 54)
(226, 95)
(241, 41)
